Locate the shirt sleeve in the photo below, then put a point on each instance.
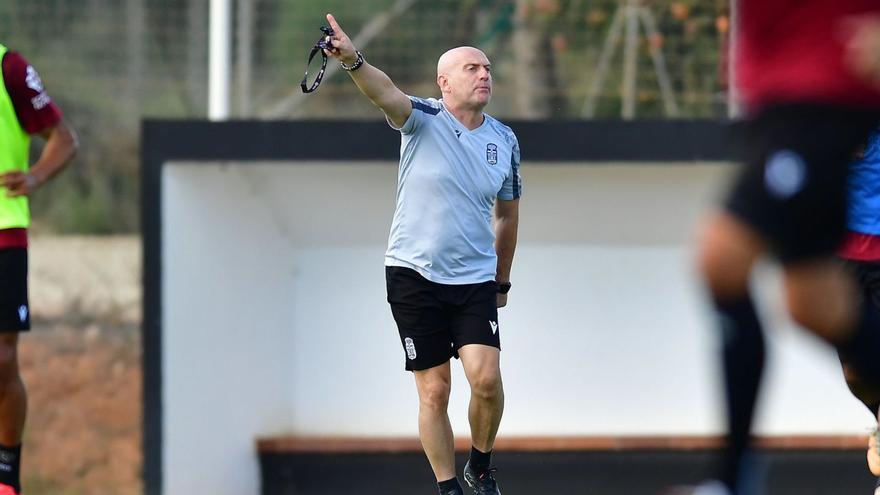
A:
(35, 109)
(512, 187)
(421, 109)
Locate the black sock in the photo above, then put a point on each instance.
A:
(743, 352)
(10, 461)
(480, 460)
(864, 344)
(449, 485)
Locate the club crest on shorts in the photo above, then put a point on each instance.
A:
(410, 348)
(785, 174)
(22, 313)
(492, 153)
(494, 326)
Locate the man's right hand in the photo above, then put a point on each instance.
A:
(373, 83)
(18, 183)
(343, 49)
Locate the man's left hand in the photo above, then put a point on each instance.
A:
(343, 49)
(18, 184)
(501, 300)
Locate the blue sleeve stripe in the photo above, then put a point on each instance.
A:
(514, 165)
(417, 105)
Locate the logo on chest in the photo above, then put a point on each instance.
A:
(492, 153)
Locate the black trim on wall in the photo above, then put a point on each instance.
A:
(164, 140)
(154, 152)
(581, 141)
(817, 472)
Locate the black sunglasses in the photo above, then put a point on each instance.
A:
(321, 45)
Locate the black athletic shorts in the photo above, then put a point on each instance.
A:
(793, 187)
(435, 320)
(14, 311)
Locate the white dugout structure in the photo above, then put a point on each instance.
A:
(265, 312)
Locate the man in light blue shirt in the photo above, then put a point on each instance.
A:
(448, 181)
(448, 264)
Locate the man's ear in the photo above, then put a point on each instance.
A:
(441, 81)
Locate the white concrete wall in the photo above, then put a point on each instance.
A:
(275, 318)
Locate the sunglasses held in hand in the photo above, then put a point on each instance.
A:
(319, 47)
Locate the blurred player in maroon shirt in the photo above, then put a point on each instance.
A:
(25, 109)
(809, 76)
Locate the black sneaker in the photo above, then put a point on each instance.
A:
(481, 483)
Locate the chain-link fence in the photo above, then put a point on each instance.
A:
(108, 63)
(551, 58)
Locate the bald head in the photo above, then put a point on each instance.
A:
(464, 78)
(459, 56)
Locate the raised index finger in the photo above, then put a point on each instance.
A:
(335, 25)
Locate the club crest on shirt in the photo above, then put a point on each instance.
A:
(492, 153)
(33, 79)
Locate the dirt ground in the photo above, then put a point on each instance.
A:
(81, 365)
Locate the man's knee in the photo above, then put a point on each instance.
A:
(802, 311)
(727, 252)
(434, 393)
(487, 384)
(821, 298)
(719, 276)
(8, 358)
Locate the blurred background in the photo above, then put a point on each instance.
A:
(109, 64)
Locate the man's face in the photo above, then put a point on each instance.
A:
(468, 81)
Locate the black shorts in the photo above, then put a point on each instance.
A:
(14, 311)
(793, 187)
(435, 320)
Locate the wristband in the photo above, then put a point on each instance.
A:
(356, 65)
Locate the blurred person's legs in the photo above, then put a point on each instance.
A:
(790, 200)
(869, 395)
(867, 274)
(728, 251)
(826, 301)
(13, 399)
(13, 407)
(14, 318)
(824, 298)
